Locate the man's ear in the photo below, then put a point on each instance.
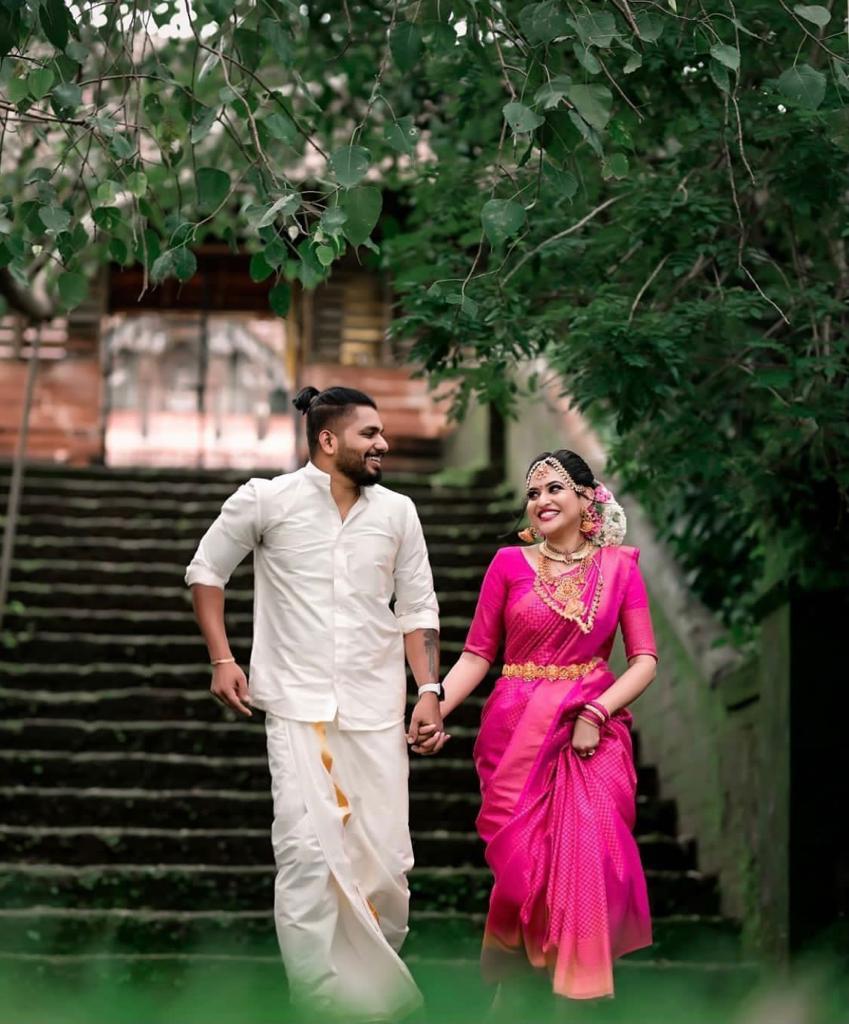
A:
(327, 441)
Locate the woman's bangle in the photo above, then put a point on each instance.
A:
(599, 709)
(594, 723)
(223, 661)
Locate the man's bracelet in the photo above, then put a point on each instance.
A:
(223, 661)
(436, 688)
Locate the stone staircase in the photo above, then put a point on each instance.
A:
(135, 813)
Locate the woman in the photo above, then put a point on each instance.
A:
(554, 750)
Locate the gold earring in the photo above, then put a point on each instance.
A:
(528, 535)
(587, 524)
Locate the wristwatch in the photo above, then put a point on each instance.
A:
(436, 688)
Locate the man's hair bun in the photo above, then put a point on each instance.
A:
(304, 398)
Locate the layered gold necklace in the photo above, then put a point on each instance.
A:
(564, 593)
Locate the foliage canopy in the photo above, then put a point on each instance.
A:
(648, 195)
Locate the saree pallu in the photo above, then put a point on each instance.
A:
(569, 889)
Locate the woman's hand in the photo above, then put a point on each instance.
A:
(585, 738)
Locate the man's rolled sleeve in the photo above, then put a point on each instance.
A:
(416, 606)
(233, 535)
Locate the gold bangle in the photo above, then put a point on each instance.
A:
(595, 725)
(223, 661)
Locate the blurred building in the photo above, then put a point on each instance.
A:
(203, 373)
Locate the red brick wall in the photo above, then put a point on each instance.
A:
(65, 419)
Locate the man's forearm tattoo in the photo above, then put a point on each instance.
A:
(431, 643)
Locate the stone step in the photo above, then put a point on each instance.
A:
(136, 704)
(143, 765)
(452, 519)
(244, 886)
(42, 598)
(51, 931)
(178, 623)
(84, 648)
(92, 677)
(157, 574)
(196, 808)
(92, 548)
(52, 491)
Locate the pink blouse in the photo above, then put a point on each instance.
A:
(509, 613)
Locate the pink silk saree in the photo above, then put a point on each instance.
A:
(568, 887)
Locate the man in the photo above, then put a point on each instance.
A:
(331, 548)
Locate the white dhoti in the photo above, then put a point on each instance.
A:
(342, 847)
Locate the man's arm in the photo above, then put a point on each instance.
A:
(233, 534)
(422, 650)
(229, 683)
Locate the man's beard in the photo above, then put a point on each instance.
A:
(353, 466)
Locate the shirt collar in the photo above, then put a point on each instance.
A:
(322, 480)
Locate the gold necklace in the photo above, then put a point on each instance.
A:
(556, 555)
(564, 593)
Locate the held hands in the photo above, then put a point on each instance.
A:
(426, 735)
(585, 738)
(230, 686)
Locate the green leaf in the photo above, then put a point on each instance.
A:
(76, 51)
(350, 165)
(521, 118)
(586, 59)
(616, 166)
(632, 63)
(280, 298)
(544, 22)
(250, 46)
(803, 86)
(56, 22)
(73, 288)
(118, 250)
(274, 33)
(259, 268)
(818, 15)
(39, 82)
(281, 127)
(213, 186)
(402, 135)
(596, 28)
(719, 73)
(153, 107)
(202, 122)
(501, 219)
(325, 255)
(137, 183)
(107, 193)
(333, 220)
(119, 146)
(108, 218)
(727, 55)
(67, 96)
(651, 26)
(285, 206)
(362, 206)
(550, 94)
(184, 262)
(405, 42)
(220, 9)
(17, 89)
(54, 218)
(563, 181)
(594, 103)
(589, 134)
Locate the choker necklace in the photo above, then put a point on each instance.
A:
(556, 555)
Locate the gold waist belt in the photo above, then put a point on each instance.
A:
(528, 670)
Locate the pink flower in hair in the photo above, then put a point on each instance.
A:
(602, 494)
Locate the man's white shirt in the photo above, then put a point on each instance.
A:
(326, 641)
